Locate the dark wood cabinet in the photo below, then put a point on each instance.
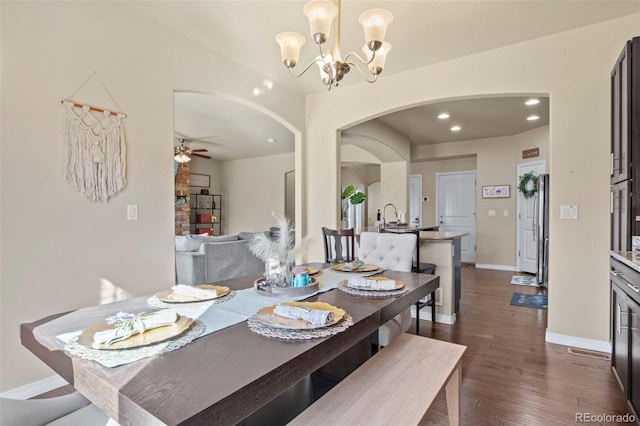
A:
(620, 335)
(620, 150)
(620, 216)
(625, 146)
(625, 330)
(634, 355)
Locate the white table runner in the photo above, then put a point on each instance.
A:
(217, 316)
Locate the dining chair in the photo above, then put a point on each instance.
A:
(67, 410)
(395, 252)
(339, 245)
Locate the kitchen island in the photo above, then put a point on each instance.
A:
(443, 249)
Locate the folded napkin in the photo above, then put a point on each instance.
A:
(370, 284)
(130, 324)
(352, 266)
(198, 293)
(316, 317)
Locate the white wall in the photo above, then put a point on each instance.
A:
(495, 160)
(573, 67)
(212, 168)
(56, 246)
(253, 189)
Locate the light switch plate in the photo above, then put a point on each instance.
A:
(505, 213)
(569, 212)
(132, 212)
(492, 212)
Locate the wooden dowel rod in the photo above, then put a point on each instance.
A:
(91, 108)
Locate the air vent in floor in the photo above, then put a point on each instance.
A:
(590, 354)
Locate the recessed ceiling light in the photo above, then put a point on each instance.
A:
(532, 101)
(443, 116)
(533, 118)
(456, 128)
(271, 140)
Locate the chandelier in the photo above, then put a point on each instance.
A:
(332, 66)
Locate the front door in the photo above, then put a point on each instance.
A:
(456, 207)
(527, 253)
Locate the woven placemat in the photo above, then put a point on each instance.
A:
(370, 293)
(155, 302)
(293, 334)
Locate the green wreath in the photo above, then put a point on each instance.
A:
(528, 184)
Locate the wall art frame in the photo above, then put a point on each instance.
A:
(200, 181)
(496, 191)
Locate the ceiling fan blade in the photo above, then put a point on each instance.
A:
(200, 150)
(200, 155)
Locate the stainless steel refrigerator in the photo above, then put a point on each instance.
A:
(541, 229)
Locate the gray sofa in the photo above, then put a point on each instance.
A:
(208, 259)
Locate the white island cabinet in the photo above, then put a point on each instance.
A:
(444, 250)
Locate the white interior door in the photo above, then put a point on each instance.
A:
(373, 203)
(456, 207)
(526, 243)
(415, 200)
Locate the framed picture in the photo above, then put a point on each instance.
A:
(201, 181)
(496, 191)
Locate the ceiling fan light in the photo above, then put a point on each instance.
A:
(320, 14)
(181, 157)
(290, 44)
(375, 22)
(377, 65)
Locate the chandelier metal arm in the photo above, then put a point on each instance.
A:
(365, 76)
(346, 58)
(321, 59)
(307, 67)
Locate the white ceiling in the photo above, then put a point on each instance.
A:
(228, 129)
(423, 33)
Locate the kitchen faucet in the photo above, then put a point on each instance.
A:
(384, 213)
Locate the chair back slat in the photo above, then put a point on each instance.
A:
(339, 245)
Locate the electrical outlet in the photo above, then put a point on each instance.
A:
(438, 297)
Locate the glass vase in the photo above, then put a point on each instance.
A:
(278, 274)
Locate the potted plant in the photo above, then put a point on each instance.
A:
(350, 196)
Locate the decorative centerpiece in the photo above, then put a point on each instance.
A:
(278, 253)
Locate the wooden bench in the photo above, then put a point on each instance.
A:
(394, 387)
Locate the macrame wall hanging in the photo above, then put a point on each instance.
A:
(95, 148)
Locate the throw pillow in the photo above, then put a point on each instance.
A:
(181, 242)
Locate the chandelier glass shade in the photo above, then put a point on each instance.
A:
(321, 14)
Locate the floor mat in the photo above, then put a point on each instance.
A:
(524, 280)
(538, 301)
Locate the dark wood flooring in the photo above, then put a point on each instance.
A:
(510, 375)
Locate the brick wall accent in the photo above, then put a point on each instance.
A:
(182, 211)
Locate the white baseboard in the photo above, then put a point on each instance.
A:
(496, 267)
(36, 388)
(578, 342)
(425, 314)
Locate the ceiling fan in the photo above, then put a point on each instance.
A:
(182, 153)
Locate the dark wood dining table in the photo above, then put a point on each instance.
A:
(223, 377)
